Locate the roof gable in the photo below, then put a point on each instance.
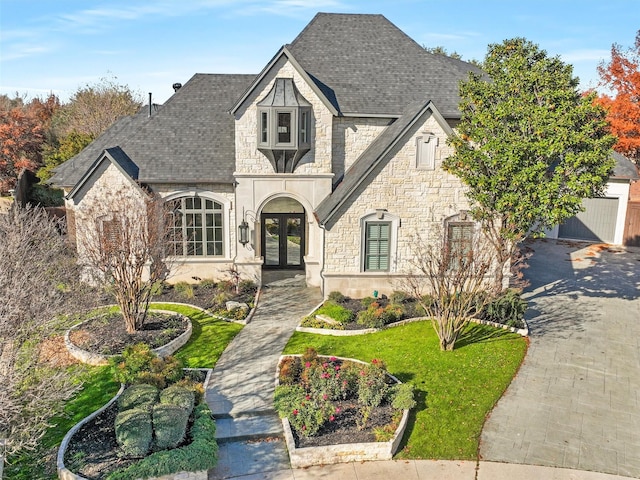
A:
(375, 158)
(119, 159)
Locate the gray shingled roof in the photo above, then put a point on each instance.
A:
(70, 172)
(372, 67)
(624, 168)
(374, 158)
(190, 138)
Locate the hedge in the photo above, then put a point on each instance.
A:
(134, 432)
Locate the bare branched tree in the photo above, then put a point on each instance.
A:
(124, 243)
(38, 274)
(449, 282)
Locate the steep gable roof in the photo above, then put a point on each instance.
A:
(371, 67)
(190, 139)
(117, 157)
(375, 157)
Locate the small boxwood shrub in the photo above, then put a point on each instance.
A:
(200, 454)
(179, 396)
(142, 396)
(169, 425)
(376, 316)
(134, 432)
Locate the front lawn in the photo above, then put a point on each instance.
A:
(455, 390)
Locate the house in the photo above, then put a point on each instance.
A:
(327, 162)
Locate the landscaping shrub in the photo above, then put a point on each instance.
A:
(200, 454)
(366, 301)
(184, 289)
(402, 396)
(507, 309)
(324, 380)
(194, 386)
(179, 396)
(134, 432)
(337, 297)
(290, 369)
(376, 316)
(372, 389)
(306, 413)
(169, 425)
(141, 396)
(399, 297)
(138, 364)
(247, 287)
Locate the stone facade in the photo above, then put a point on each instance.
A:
(418, 201)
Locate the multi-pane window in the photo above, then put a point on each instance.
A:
(196, 227)
(264, 127)
(377, 246)
(459, 242)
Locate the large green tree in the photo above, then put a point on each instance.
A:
(529, 145)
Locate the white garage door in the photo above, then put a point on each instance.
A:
(597, 222)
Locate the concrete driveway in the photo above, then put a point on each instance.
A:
(576, 401)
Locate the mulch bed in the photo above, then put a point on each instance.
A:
(107, 334)
(93, 451)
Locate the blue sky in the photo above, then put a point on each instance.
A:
(60, 45)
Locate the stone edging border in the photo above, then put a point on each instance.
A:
(346, 452)
(65, 474)
(347, 333)
(246, 320)
(97, 359)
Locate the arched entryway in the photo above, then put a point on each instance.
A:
(283, 227)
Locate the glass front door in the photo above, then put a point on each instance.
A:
(283, 240)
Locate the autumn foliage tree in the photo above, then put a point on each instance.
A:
(23, 133)
(621, 76)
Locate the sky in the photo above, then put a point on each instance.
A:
(59, 46)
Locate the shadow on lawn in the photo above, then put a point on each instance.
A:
(475, 333)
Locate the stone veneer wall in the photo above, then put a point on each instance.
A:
(351, 137)
(109, 190)
(421, 199)
(316, 161)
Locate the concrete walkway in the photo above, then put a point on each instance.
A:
(576, 401)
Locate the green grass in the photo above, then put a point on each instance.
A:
(455, 390)
(209, 338)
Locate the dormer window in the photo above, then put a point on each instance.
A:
(284, 124)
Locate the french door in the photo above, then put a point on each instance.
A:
(283, 240)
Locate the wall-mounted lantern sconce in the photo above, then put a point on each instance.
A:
(243, 228)
(243, 232)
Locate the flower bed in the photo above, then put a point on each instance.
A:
(324, 400)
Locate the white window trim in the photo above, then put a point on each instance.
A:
(380, 215)
(226, 226)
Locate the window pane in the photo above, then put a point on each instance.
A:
(264, 128)
(304, 127)
(194, 233)
(377, 239)
(284, 127)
